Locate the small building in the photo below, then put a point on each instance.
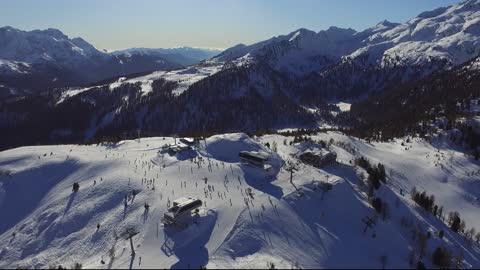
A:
(190, 141)
(181, 207)
(179, 148)
(318, 157)
(254, 158)
(174, 149)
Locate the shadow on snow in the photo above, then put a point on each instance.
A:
(188, 243)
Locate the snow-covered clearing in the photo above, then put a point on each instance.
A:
(71, 92)
(250, 218)
(184, 78)
(344, 107)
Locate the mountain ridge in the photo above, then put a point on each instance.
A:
(49, 58)
(281, 82)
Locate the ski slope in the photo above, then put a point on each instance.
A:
(183, 77)
(250, 218)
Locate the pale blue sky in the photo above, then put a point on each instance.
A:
(116, 24)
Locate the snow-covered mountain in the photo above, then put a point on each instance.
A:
(39, 46)
(40, 59)
(332, 63)
(301, 51)
(450, 34)
(345, 64)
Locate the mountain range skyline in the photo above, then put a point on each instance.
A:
(446, 35)
(166, 24)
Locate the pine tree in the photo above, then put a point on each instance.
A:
(477, 237)
(462, 226)
(76, 187)
(456, 221)
(441, 258)
(420, 265)
(471, 233)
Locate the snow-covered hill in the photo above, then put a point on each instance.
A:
(250, 218)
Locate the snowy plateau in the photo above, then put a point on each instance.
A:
(250, 218)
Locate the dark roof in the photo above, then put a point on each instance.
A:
(253, 156)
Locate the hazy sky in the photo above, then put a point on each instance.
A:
(116, 24)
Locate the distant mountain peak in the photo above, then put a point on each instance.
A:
(335, 29)
(387, 23)
(39, 45)
(8, 28)
(470, 3)
(182, 55)
(297, 51)
(52, 32)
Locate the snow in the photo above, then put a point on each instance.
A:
(104, 121)
(475, 105)
(13, 66)
(287, 224)
(344, 107)
(445, 33)
(474, 66)
(117, 83)
(45, 45)
(294, 36)
(183, 77)
(296, 52)
(277, 224)
(71, 92)
(449, 34)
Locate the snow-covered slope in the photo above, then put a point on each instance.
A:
(11, 67)
(57, 60)
(301, 51)
(183, 77)
(250, 218)
(44, 45)
(449, 35)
